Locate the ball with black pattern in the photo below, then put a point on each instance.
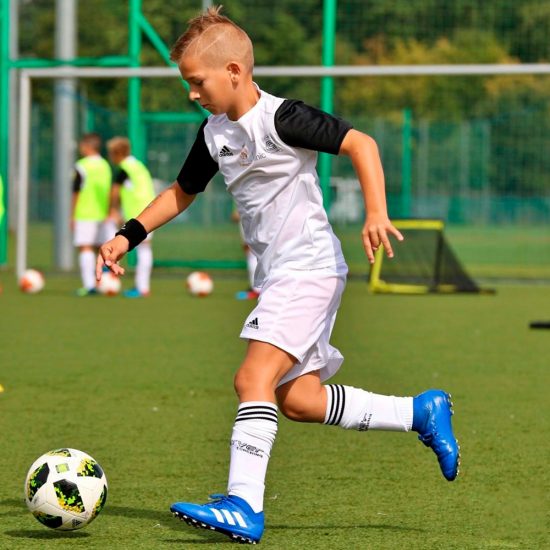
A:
(65, 489)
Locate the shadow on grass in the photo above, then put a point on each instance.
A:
(142, 513)
(210, 537)
(45, 535)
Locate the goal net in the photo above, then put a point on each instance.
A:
(425, 263)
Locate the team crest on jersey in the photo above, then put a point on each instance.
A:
(245, 158)
(270, 145)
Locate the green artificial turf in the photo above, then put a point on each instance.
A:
(145, 387)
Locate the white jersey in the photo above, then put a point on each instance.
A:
(268, 159)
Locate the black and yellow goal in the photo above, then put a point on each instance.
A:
(423, 263)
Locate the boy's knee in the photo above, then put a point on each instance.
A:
(298, 410)
(292, 410)
(245, 381)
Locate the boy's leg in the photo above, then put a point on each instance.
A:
(85, 238)
(305, 399)
(240, 514)
(144, 267)
(86, 262)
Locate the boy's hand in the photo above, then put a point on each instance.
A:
(109, 254)
(375, 233)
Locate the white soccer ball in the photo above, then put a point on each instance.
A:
(109, 285)
(65, 489)
(32, 281)
(200, 283)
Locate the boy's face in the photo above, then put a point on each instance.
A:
(212, 87)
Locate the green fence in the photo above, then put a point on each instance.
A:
(472, 150)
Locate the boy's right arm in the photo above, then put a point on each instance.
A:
(167, 205)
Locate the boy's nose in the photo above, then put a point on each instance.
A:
(193, 96)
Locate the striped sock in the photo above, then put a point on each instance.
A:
(251, 441)
(356, 409)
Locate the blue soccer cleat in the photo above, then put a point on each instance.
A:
(432, 411)
(134, 293)
(229, 515)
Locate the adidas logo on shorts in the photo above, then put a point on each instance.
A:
(225, 152)
(253, 324)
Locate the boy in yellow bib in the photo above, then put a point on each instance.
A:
(90, 207)
(131, 192)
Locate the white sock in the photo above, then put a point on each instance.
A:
(356, 409)
(251, 441)
(144, 267)
(251, 263)
(86, 260)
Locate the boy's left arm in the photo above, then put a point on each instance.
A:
(363, 152)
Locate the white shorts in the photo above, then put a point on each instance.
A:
(296, 312)
(90, 233)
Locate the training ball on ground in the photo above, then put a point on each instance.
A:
(109, 285)
(32, 281)
(65, 489)
(200, 283)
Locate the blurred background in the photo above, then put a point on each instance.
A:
(473, 151)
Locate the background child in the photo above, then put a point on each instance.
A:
(90, 207)
(266, 149)
(132, 191)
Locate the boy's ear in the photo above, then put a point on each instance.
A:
(235, 70)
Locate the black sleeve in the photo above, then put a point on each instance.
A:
(199, 167)
(77, 181)
(121, 177)
(300, 125)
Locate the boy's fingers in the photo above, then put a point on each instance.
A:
(99, 267)
(368, 249)
(396, 233)
(387, 245)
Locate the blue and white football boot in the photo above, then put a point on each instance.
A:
(230, 515)
(432, 411)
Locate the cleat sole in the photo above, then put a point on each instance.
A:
(200, 525)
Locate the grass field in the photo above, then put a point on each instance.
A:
(145, 387)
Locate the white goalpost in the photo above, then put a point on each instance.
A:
(26, 76)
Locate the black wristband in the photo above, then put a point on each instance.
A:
(134, 231)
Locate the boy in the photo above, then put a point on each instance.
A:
(90, 207)
(265, 148)
(132, 191)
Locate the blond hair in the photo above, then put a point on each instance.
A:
(92, 140)
(119, 146)
(216, 39)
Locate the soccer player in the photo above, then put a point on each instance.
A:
(131, 192)
(90, 207)
(266, 149)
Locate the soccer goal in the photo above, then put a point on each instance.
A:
(28, 76)
(425, 263)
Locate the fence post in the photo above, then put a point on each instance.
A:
(406, 164)
(327, 91)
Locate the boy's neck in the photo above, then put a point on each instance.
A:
(246, 101)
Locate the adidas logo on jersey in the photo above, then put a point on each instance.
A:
(225, 152)
(253, 324)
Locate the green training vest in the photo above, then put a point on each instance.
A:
(93, 199)
(137, 191)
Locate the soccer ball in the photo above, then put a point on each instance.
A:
(200, 283)
(109, 285)
(32, 281)
(65, 489)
